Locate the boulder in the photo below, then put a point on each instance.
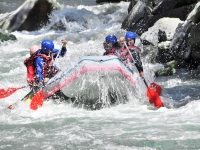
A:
(31, 15)
(109, 1)
(163, 54)
(142, 17)
(137, 19)
(186, 41)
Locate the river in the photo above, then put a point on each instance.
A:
(133, 126)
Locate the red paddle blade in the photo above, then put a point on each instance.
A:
(5, 93)
(37, 100)
(154, 98)
(156, 88)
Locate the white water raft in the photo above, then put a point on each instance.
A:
(95, 79)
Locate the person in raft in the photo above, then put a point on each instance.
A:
(131, 53)
(40, 65)
(111, 46)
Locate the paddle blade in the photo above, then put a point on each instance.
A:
(154, 98)
(5, 93)
(37, 100)
(156, 88)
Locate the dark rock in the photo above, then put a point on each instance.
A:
(141, 17)
(30, 16)
(179, 42)
(163, 54)
(37, 17)
(146, 42)
(131, 5)
(108, 1)
(162, 37)
(7, 37)
(165, 72)
(164, 6)
(138, 18)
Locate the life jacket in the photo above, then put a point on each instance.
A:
(125, 55)
(30, 65)
(111, 52)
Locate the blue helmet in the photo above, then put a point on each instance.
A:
(111, 38)
(47, 45)
(130, 35)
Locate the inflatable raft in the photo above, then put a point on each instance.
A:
(95, 81)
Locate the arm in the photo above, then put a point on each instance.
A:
(138, 63)
(63, 50)
(39, 68)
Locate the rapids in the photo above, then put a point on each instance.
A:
(133, 126)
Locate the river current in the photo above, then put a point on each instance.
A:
(133, 126)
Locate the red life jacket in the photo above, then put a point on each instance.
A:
(111, 52)
(125, 55)
(29, 63)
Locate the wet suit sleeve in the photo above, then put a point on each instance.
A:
(62, 52)
(138, 63)
(39, 68)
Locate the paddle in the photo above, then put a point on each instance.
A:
(27, 96)
(153, 91)
(5, 93)
(38, 98)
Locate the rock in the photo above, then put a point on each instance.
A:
(31, 15)
(137, 19)
(163, 54)
(171, 64)
(7, 37)
(162, 37)
(131, 5)
(165, 72)
(142, 17)
(168, 25)
(108, 1)
(194, 15)
(164, 6)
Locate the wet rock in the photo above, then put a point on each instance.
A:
(163, 54)
(165, 72)
(162, 37)
(31, 15)
(142, 17)
(186, 41)
(131, 5)
(7, 37)
(163, 6)
(138, 18)
(109, 1)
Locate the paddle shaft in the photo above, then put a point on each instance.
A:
(27, 95)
